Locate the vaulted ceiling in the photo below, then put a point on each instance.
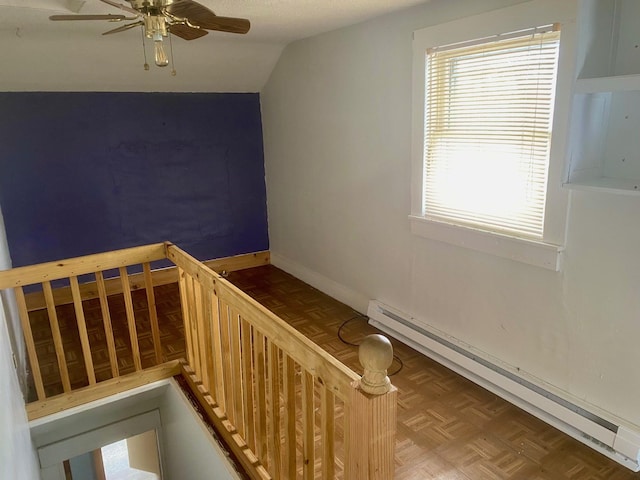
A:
(40, 55)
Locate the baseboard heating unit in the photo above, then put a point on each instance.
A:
(605, 435)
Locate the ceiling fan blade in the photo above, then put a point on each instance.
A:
(188, 9)
(203, 17)
(224, 24)
(121, 7)
(123, 28)
(186, 32)
(87, 17)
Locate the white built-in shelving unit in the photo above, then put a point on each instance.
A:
(605, 122)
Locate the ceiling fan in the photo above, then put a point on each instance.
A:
(186, 19)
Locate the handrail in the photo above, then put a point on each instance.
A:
(71, 267)
(161, 276)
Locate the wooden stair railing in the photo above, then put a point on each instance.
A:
(44, 277)
(286, 407)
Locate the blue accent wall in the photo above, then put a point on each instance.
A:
(83, 173)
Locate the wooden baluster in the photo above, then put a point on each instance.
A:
(193, 315)
(220, 394)
(186, 314)
(261, 404)
(226, 361)
(202, 337)
(308, 427)
(28, 339)
(106, 320)
(372, 414)
(236, 370)
(247, 383)
(327, 432)
(289, 397)
(275, 454)
(82, 329)
(153, 312)
(131, 319)
(207, 329)
(57, 338)
(349, 447)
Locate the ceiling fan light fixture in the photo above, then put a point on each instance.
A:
(186, 19)
(155, 27)
(160, 55)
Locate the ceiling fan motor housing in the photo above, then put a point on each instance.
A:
(155, 26)
(144, 5)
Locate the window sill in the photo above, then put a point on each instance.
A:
(530, 252)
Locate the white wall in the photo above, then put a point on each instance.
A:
(10, 310)
(143, 452)
(17, 455)
(188, 449)
(83, 467)
(337, 132)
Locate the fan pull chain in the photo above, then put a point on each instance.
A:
(173, 68)
(144, 50)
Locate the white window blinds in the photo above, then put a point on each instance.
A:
(488, 115)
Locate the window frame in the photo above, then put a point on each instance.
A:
(546, 252)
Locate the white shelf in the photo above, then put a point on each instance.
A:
(619, 83)
(607, 184)
(604, 153)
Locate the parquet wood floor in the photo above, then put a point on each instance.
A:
(171, 337)
(448, 427)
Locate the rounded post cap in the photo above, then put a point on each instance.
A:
(376, 356)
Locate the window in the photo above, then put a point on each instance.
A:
(488, 131)
(486, 172)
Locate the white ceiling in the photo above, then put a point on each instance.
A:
(41, 55)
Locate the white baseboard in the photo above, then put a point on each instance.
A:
(355, 300)
(605, 435)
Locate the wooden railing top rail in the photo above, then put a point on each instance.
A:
(74, 267)
(161, 276)
(336, 376)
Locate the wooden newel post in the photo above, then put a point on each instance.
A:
(372, 422)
